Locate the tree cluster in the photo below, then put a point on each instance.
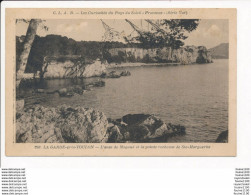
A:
(168, 33)
(58, 46)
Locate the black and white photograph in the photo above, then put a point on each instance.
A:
(122, 80)
(128, 97)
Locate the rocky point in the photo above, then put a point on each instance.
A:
(66, 124)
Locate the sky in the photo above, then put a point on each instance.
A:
(209, 33)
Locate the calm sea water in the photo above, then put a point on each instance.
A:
(195, 96)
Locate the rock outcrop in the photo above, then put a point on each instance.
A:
(142, 128)
(71, 91)
(125, 73)
(65, 92)
(95, 69)
(223, 137)
(37, 125)
(19, 105)
(61, 125)
(84, 125)
(70, 69)
(183, 55)
(78, 89)
(203, 55)
(115, 74)
(112, 74)
(81, 125)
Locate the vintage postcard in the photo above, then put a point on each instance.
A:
(120, 82)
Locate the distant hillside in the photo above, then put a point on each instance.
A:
(220, 51)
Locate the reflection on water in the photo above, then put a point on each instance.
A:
(195, 96)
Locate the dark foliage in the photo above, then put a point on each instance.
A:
(57, 46)
(169, 33)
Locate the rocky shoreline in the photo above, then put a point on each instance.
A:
(137, 64)
(66, 124)
(222, 137)
(78, 89)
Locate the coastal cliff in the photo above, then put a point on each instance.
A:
(183, 55)
(60, 57)
(72, 68)
(77, 67)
